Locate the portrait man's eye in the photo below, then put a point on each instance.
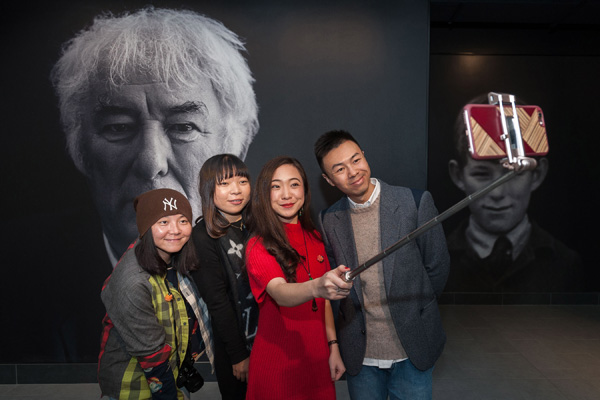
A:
(185, 131)
(118, 131)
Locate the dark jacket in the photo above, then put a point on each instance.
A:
(545, 265)
(414, 276)
(217, 283)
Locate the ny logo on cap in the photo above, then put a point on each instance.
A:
(171, 203)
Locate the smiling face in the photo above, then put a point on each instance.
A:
(231, 196)
(170, 233)
(287, 193)
(144, 136)
(503, 208)
(347, 169)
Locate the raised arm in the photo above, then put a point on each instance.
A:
(330, 286)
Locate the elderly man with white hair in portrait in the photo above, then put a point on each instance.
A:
(145, 97)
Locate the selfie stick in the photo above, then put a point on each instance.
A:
(515, 162)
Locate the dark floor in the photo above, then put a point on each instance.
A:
(493, 352)
(520, 352)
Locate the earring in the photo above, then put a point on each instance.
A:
(300, 212)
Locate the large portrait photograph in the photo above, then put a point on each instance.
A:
(124, 119)
(530, 239)
(108, 100)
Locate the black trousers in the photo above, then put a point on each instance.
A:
(230, 387)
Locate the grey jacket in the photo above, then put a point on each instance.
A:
(414, 276)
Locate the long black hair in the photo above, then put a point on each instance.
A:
(184, 260)
(264, 223)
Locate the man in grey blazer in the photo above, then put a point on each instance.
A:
(389, 329)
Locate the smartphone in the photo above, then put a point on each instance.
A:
(484, 130)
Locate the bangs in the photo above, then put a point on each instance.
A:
(232, 167)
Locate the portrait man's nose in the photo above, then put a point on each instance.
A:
(154, 152)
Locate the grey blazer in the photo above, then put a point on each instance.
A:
(414, 276)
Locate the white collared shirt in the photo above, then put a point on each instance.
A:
(111, 255)
(483, 242)
(371, 200)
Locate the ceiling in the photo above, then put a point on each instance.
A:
(549, 14)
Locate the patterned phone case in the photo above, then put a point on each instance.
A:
(484, 129)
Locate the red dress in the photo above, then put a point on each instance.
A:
(290, 356)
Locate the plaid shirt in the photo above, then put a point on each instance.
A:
(143, 329)
(189, 291)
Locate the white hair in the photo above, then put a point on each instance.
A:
(165, 45)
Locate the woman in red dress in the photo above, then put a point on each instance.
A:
(295, 353)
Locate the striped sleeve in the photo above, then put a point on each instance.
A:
(155, 359)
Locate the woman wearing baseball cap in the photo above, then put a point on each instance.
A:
(156, 324)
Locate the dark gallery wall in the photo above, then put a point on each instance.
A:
(354, 67)
(364, 67)
(553, 66)
(318, 66)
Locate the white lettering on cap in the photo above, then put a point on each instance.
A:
(171, 203)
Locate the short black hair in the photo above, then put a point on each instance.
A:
(329, 141)
(215, 170)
